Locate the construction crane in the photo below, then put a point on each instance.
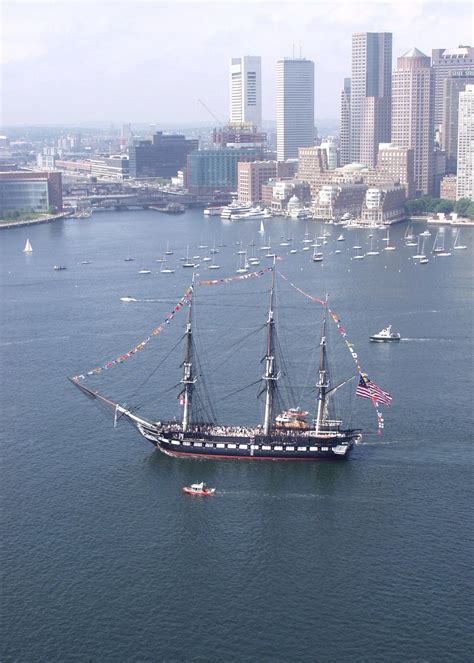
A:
(200, 101)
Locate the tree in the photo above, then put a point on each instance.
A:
(445, 206)
(462, 206)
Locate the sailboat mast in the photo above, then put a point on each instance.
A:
(188, 375)
(271, 376)
(322, 384)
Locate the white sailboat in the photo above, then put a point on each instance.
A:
(372, 251)
(242, 266)
(389, 247)
(438, 246)
(423, 258)
(317, 255)
(28, 248)
(262, 229)
(164, 269)
(456, 244)
(420, 253)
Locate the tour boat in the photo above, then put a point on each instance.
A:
(28, 248)
(198, 489)
(386, 335)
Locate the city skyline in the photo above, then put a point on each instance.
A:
(65, 52)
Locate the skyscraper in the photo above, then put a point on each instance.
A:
(465, 175)
(452, 86)
(371, 77)
(246, 90)
(446, 62)
(345, 133)
(412, 114)
(295, 106)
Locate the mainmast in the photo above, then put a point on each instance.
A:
(271, 375)
(188, 374)
(323, 382)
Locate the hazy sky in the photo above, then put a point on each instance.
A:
(73, 62)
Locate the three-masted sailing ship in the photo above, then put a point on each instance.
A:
(280, 436)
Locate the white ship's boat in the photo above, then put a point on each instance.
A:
(386, 335)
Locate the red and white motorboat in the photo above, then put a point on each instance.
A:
(198, 489)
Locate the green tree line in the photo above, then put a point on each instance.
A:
(430, 205)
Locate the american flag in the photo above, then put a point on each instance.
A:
(367, 389)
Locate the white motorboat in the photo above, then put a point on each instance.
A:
(386, 335)
(145, 271)
(128, 299)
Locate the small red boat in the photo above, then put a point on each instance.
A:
(198, 489)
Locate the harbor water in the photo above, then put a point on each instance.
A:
(104, 557)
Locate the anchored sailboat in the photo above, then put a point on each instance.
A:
(286, 436)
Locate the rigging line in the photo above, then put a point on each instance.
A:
(237, 391)
(140, 386)
(228, 353)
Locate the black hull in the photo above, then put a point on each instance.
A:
(270, 447)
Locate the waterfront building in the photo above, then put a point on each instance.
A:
(30, 191)
(452, 86)
(277, 194)
(295, 106)
(465, 175)
(370, 92)
(333, 201)
(397, 164)
(383, 205)
(246, 90)
(208, 171)
(250, 177)
(312, 162)
(412, 115)
(114, 167)
(162, 156)
(447, 62)
(447, 187)
(345, 131)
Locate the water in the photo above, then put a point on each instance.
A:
(106, 560)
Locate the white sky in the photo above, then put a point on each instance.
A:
(74, 62)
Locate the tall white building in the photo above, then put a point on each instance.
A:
(246, 90)
(465, 175)
(295, 106)
(371, 82)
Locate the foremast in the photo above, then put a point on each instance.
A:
(323, 381)
(189, 379)
(271, 374)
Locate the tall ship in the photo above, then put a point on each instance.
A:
(281, 435)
